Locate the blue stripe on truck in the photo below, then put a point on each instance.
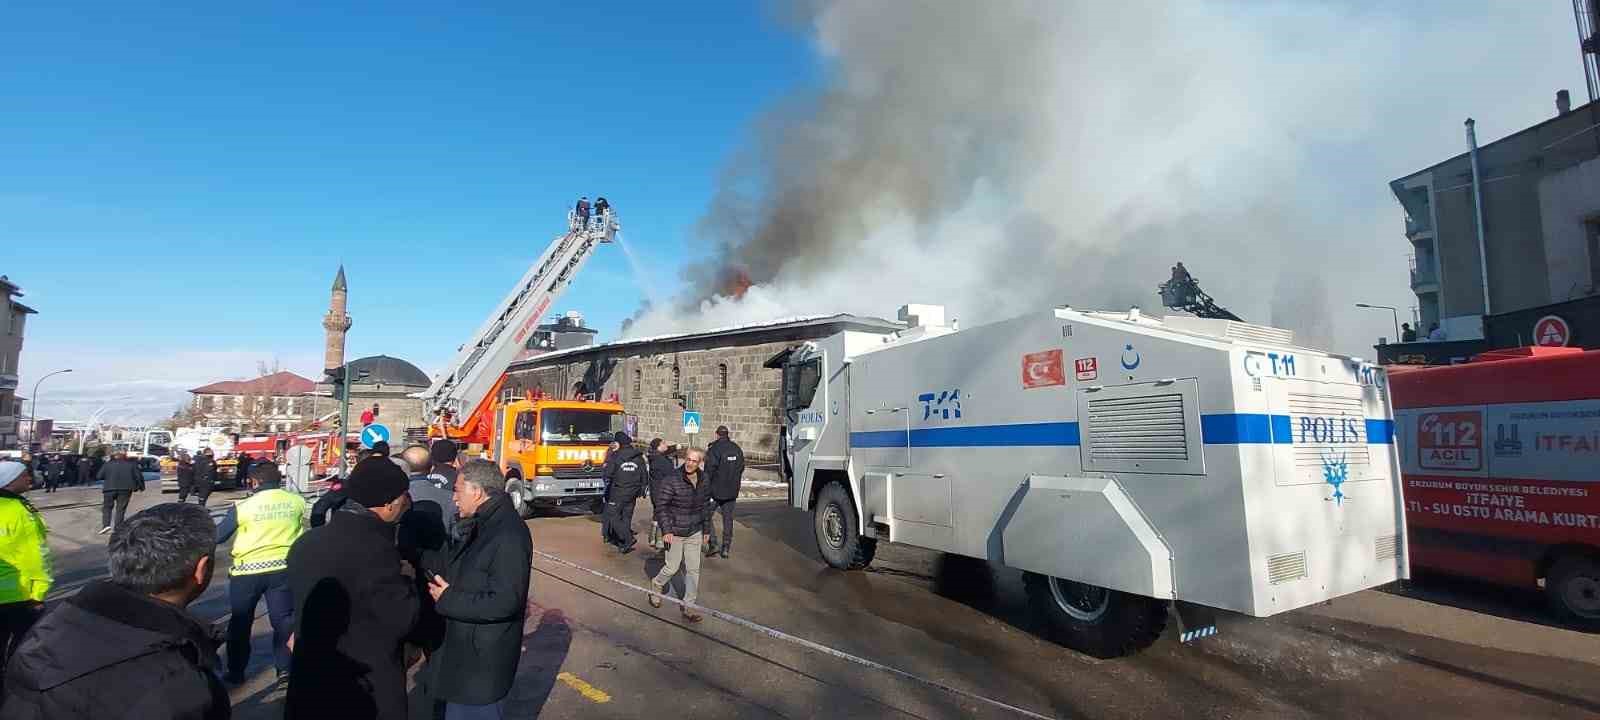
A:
(1244, 429)
(1380, 432)
(1019, 435)
(1216, 429)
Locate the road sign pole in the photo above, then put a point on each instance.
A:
(344, 418)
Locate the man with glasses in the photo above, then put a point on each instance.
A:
(680, 509)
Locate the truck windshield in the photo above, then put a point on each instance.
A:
(569, 427)
(800, 383)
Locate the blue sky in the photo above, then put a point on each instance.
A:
(180, 183)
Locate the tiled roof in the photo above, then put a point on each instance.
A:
(278, 383)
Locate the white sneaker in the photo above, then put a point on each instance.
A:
(105, 530)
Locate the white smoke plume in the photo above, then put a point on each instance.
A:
(1000, 157)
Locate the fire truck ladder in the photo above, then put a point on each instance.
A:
(1188, 297)
(479, 363)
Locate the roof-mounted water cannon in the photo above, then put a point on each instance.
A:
(914, 315)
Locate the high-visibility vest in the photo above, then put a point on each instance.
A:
(24, 554)
(269, 522)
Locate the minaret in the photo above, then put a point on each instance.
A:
(336, 322)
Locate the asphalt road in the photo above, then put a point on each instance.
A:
(596, 649)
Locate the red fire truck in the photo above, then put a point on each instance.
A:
(1501, 459)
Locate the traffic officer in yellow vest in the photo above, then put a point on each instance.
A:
(24, 557)
(266, 523)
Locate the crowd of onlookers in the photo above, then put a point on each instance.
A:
(417, 561)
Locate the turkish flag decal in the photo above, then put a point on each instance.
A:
(1043, 369)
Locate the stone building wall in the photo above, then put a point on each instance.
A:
(643, 379)
(396, 411)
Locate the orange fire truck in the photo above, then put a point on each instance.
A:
(550, 450)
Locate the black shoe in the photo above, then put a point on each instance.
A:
(723, 553)
(628, 549)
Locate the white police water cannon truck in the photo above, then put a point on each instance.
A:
(1133, 468)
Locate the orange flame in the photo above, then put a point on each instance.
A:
(736, 285)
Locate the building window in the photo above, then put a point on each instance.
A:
(638, 382)
(280, 406)
(722, 376)
(677, 380)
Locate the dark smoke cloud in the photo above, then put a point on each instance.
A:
(1000, 157)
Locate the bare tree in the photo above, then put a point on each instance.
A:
(184, 415)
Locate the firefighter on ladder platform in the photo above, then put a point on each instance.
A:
(1182, 283)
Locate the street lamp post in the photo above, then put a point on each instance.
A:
(1393, 312)
(33, 412)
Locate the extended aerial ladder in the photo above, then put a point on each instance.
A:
(459, 401)
(1183, 292)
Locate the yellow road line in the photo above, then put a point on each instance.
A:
(592, 693)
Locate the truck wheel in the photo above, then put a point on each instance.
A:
(1573, 586)
(839, 530)
(514, 488)
(1094, 620)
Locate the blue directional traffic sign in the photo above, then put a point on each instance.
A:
(374, 434)
(691, 422)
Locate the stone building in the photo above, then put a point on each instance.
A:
(382, 380)
(718, 373)
(271, 403)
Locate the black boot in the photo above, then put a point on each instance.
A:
(727, 545)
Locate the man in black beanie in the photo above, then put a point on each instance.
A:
(354, 604)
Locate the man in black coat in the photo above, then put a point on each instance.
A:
(662, 467)
(127, 648)
(119, 479)
(185, 474)
(628, 472)
(205, 474)
(85, 470)
(58, 470)
(680, 508)
(354, 605)
(481, 590)
(725, 472)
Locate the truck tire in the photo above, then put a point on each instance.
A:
(1094, 620)
(514, 489)
(1573, 587)
(839, 539)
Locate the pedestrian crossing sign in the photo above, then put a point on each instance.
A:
(691, 422)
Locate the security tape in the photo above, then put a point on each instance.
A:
(781, 635)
